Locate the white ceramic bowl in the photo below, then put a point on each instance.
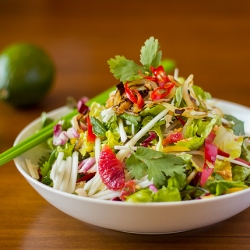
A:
(149, 218)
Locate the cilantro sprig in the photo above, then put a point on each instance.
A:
(127, 70)
(150, 53)
(124, 69)
(157, 165)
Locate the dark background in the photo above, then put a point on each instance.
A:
(209, 39)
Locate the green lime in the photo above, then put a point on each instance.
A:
(26, 74)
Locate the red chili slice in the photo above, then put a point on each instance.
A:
(134, 96)
(160, 75)
(161, 92)
(91, 136)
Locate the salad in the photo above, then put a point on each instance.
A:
(156, 139)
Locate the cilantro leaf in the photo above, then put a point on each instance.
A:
(238, 126)
(157, 165)
(45, 169)
(41, 161)
(150, 54)
(124, 69)
(46, 165)
(45, 173)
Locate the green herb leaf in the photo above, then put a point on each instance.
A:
(46, 165)
(238, 126)
(45, 169)
(98, 127)
(134, 119)
(150, 54)
(125, 70)
(155, 164)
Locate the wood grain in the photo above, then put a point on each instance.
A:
(209, 39)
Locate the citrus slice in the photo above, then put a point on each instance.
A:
(128, 189)
(111, 169)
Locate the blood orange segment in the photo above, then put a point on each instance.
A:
(128, 189)
(172, 138)
(111, 169)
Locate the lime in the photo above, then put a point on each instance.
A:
(26, 74)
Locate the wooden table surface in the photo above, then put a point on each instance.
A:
(210, 39)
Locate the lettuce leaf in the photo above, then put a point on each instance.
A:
(167, 194)
(192, 143)
(113, 138)
(219, 187)
(245, 150)
(158, 131)
(87, 147)
(240, 173)
(200, 92)
(200, 128)
(178, 180)
(67, 149)
(178, 97)
(96, 109)
(142, 195)
(152, 111)
(228, 142)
